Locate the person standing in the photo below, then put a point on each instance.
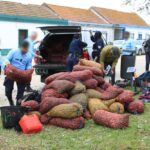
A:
(147, 53)
(75, 51)
(98, 44)
(21, 59)
(109, 56)
(32, 41)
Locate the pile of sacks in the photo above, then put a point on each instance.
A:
(69, 98)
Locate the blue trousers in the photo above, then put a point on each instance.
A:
(71, 61)
(147, 61)
(9, 86)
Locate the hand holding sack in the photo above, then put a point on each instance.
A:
(21, 76)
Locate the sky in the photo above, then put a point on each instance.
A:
(113, 4)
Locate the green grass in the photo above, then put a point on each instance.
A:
(92, 137)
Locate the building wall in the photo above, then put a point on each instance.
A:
(9, 32)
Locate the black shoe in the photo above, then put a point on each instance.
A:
(29, 89)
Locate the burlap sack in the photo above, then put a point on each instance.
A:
(116, 108)
(109, 102)
(90, 83)
(79, 88)
(66, 111)
(37, 113)
(96, 104)
(91, 93)
(111, 120)
(33, 105)
(80, 98)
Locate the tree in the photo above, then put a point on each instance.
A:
(139, 5)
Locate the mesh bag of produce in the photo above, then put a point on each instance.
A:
(53, 77)
(80, 98)
(105, 86)
(86, 114)
(136, 107)
(99, 89)
(111, 120)
(76, 75)
(79, 88)
(99, 79)
(90, 63)
(45, 119)
(95, 70)
(50, 102)
(91, 93)
(96, 104)
(52, 93)
(37, 113)
(111, 93)
(116, 108)
(61, 86)
(66, 111)
(32, 105)
(125, 97)
(21, 76)
(76, 123)
(90, 83)
(109, 102)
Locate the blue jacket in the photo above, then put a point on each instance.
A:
(76, 46)
(99, 43)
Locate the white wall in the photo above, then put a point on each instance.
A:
(86, 35)
(9, 32)
(136, 31)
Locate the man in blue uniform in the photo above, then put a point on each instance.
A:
(75, 51)
(98, 44)
(20, 59)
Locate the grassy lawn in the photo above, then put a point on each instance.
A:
(92, 137)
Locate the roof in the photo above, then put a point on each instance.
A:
(118, 17)
(19, 9)
(75, 14)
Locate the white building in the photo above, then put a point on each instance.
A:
(18, 20)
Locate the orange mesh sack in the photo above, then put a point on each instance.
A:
(81, 99)
(67, 111)
(111, 120)
(125, 97)
(21, 76)
(99, 79)
(76, 123)
(116, 108)
(33, 105)
(53, 77)
(61, 86)
(96, 104)
(45, 119)
(90, 63)
(87, 115)
(76, 75)
(52, 93)
(91, 83)
(95, 70)
(136, 107)
(50, 102)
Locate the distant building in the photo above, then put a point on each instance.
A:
(18, 20)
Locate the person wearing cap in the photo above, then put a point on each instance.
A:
(75, 51)
(109, 56)
(98, 43)
(21, 59)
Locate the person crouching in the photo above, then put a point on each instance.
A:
(21, 59)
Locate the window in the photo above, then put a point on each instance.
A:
(132, 35)
(23, 34)
(140, 36)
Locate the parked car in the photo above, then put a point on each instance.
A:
(54, 49)
(139, 47)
